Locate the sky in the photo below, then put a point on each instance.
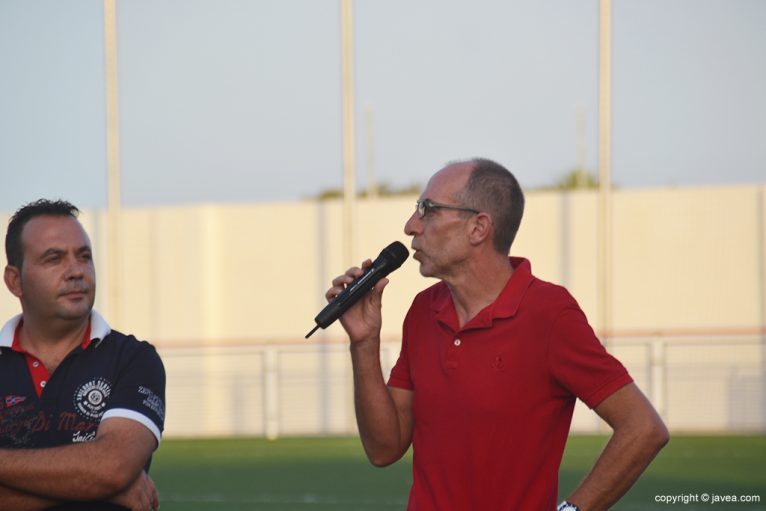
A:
(239, 100)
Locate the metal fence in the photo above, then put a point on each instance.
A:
(697, 384)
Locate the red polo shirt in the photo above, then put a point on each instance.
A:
(493, 400)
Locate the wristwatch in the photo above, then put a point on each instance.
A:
(567, 506)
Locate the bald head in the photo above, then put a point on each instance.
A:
(452, 179)
(489, 187)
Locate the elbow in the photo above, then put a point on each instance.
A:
(111, 479)
(382, 461)
(655, 434)
(661, 435)
(383, 458)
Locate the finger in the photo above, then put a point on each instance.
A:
(154, 495)
(342, 280)
(348, 277)
(376, 296)
(356, 272)
(366, 264)
(146, 498)
(145, 492)
(332, 293)
(155, 498)
(143, 502)
(338, 285)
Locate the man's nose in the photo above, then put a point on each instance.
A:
(413, 224)
(75, 268)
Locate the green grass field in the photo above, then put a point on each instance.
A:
(298, 474)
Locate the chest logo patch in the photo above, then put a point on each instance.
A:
(90, 398)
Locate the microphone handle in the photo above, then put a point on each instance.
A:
(348, 297)
(389, 259)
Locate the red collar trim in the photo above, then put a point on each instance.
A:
(86, 340)
(16, 345)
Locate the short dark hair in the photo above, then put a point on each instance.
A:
(14, 252)
(491, 188)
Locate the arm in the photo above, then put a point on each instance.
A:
(639, 434)
(95, 470)
(20, 501)
(140, 495)
(384, 415)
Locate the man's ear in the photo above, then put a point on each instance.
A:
(12, 276)
(481, 228)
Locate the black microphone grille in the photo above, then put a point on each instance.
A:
(396, 252)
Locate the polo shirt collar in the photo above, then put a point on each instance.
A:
(6, 334)
(99, 329)
(505, 306)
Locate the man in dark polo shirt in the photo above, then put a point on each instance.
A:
(491, 364)
(81, 405)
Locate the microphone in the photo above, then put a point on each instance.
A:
(390, 258)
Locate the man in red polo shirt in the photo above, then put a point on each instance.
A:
(81, 405)
(491, 364)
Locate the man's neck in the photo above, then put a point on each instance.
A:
(44, 338)
(478, 285)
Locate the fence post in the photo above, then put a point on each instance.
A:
(271, 392)
(657, 375)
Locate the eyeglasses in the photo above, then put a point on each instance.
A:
(424, 206)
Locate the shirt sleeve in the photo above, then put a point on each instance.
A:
(139, 393)
(578, 361)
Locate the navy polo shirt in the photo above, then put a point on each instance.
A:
(109, 375)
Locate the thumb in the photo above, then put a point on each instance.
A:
(376, 295)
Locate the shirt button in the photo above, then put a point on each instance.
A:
(42, 383)
(35, 364)
(457, 342)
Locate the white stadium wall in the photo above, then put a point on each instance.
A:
(227, 292)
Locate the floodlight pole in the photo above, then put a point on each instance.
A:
(112, 160)
(347, 126)
(604, 163)
(372, 180)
